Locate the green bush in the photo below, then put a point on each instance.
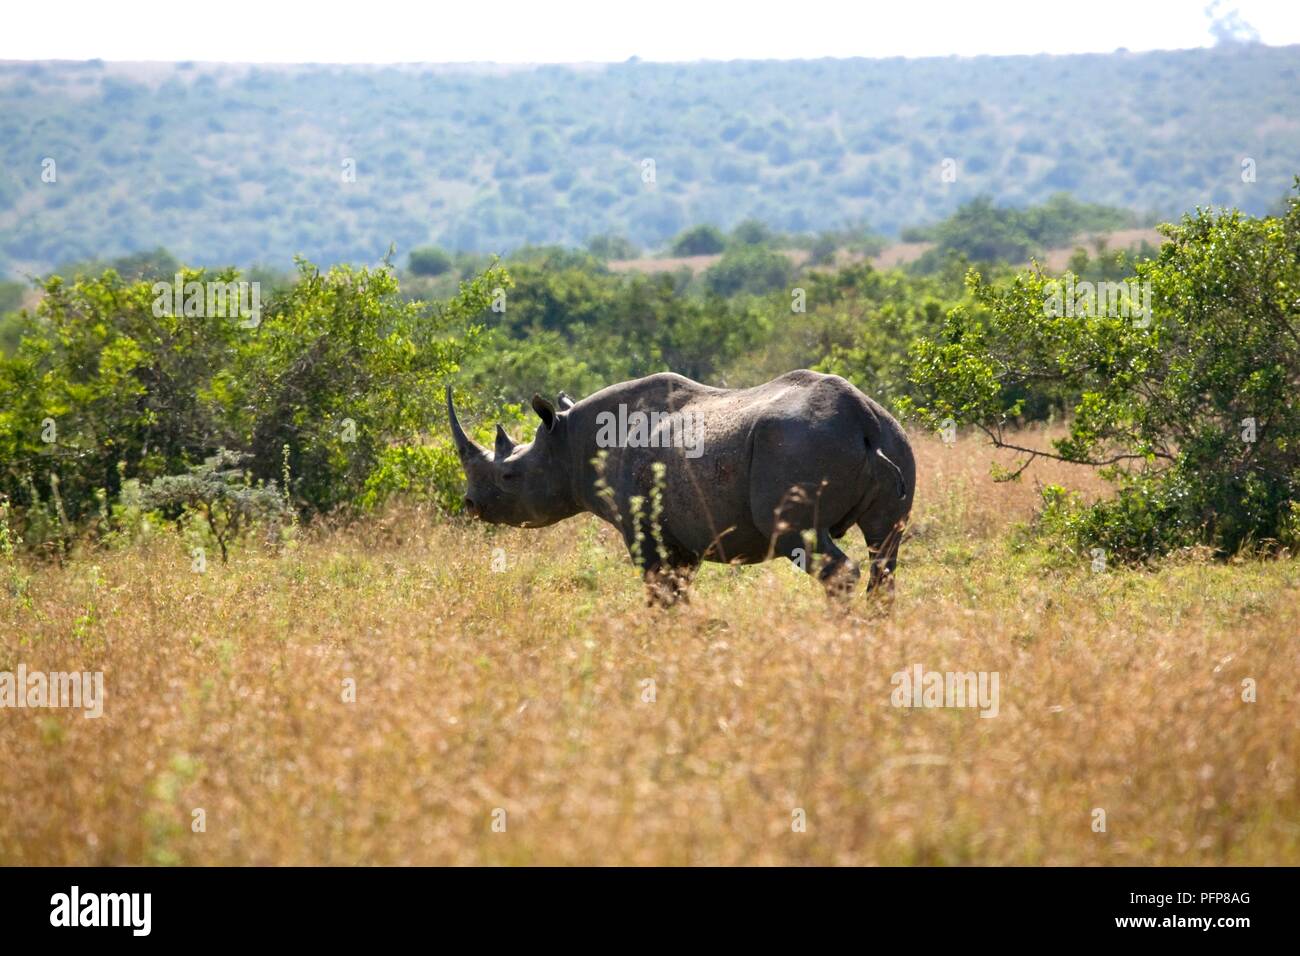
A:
(217, 492)
(1190, 408)
(982, 232)
(429, 261)
(699, 241)
(755, 270)
(105, 388)
(751, 232)
(430, 473)
(606, 247)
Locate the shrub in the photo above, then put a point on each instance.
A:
(699, 241)
(609, 246)
(1190, 409)
(429, 261)
(430, 473)
(342, 367)
(217, 491)
(749, 269)
(105, 389)
(751, 232)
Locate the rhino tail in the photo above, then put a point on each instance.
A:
(898, 473)
(872, 436)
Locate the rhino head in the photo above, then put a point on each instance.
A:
(528, 486)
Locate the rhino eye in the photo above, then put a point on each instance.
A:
(509, 476)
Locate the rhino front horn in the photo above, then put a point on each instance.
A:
(464, 447)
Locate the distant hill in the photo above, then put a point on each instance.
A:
(238, 164)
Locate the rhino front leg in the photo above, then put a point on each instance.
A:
(668, 584)
(666, 568)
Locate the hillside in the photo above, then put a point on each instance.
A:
(240, 164)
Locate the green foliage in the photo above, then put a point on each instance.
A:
(341, 366)
(823, 250)
(751, 232)
(1108, 265)
(551, 155)
(580, 328)
(429, 261)
(218, 491)
(108, 388)
(983, 232)
(699, 241)
(14, 582)
(11, 296)
(101, 376)
(429, 473)
(750, 269)
(1143, 520)
(607, 246)
(1190, 409)
(861, 322)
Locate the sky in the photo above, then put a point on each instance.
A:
(574, 31)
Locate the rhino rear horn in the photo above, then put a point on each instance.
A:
(504, 445)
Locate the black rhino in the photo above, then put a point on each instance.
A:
(691, 473)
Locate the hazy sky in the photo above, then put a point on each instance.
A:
(522, 31)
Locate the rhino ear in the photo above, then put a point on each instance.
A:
(565, 403)
(545, 411)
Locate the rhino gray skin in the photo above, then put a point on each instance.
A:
(804, 452)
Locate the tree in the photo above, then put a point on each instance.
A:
(220, 493)
(429, 261)
(108, 385)
(751, 232)
(699, 241)
(983, 232)
(341, 366)
(752, 269)
(1189, 408)
(610, 246)
(104, 377)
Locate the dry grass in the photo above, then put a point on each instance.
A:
(522, 690)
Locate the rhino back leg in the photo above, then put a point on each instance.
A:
(802, 478)
(785, 519)
(883, 533)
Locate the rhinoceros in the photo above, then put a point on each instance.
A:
(692, 473)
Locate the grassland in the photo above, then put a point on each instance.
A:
(524, 690)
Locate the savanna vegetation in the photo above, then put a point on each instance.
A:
(412, 690)
(231, 164)
(249, 523)
(1179, 388)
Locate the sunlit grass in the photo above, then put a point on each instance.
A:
(525, 691)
